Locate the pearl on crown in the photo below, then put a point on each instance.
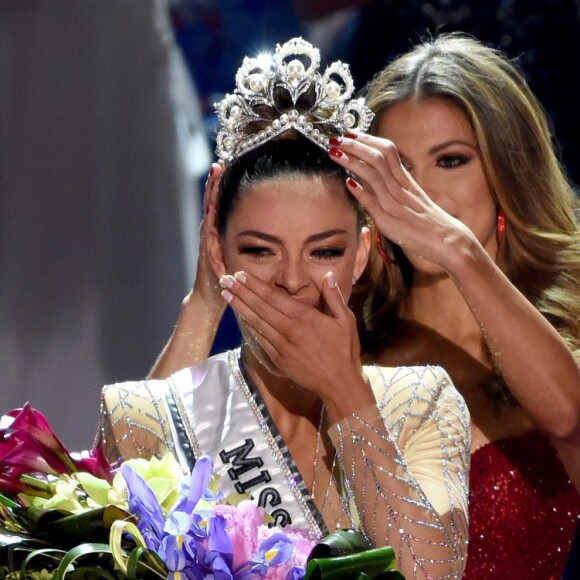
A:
(332, 89)
(349, 120)
(295, 69)
(256, 82)
(235, 112)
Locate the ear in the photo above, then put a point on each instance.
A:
(362, 252)
(215, 252)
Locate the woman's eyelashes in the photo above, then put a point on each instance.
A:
(327, 253)
(445, 161)
(260, 252)
(451, 161)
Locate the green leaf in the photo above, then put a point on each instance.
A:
(143, 563)
(78, 552)
(340, 543)
(8, 501)
(64, 530)
(43, 558)
(370, 563)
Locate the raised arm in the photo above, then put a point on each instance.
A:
(537, 365)
(203, 308)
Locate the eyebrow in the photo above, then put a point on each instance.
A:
(274, 239)
(449, 143)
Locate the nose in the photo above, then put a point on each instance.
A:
(292, 275)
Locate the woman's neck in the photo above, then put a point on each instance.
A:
(286, 401)
(437, 304)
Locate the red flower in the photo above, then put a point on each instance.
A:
(29, 445)
(96, 463)
(10, 484)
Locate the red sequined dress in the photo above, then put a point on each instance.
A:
(523, 511)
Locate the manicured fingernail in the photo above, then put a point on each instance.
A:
(335, 140)
(211, 170)
(336, 152)
(352, 183)
(241, 277)
(226, 281)
(351, 135)
(330, 280)
(227, 296)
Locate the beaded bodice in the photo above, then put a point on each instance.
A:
(400, 465)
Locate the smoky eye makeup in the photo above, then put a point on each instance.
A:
(328, 253)
(453, 160)
(254, 250)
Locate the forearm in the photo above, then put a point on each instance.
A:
(192, 338)
(534, 360)
(393, 508)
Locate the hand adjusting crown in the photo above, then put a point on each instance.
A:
(283, 92)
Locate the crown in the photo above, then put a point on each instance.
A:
(284, 91)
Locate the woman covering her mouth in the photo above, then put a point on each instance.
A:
(292, 417)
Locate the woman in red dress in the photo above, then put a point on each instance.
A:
(480, 238)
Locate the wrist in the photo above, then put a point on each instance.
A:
(470, 261)
(459, 252)
(350, 394)
(196, 302)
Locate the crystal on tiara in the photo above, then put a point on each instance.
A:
(282, 92)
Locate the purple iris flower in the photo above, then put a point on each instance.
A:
(273, 551)
(171, 552)
(182, 546)
(219, 567)
(194, 543)
(296, 573)
(143, 503)
(197, 487)
(219, 540)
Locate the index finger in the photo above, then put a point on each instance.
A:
(270, 297)
(375, 151)
(212, 185)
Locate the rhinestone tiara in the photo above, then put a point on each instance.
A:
(283, 92)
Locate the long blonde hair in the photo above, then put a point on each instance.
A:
(540, 252)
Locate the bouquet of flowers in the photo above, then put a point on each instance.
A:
(74, 515)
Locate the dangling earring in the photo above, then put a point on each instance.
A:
(381, 250)
(500, 231)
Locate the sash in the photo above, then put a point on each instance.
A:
(217, 411)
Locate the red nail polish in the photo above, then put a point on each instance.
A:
(335, 140)
(211, 170)
(350, 181)
(336, 152)
(351, 135)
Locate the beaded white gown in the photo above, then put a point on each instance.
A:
(400, 467)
